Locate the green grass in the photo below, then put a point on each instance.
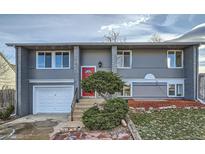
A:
(171, 124)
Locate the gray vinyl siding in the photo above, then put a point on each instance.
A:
(190, 73)
(49, 73)
(144, 61)
(154, 61)
(93, 56)
(149, 90)
(22, 82)
(30, 93)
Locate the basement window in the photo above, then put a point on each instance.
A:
(175, 90)
(126, 91)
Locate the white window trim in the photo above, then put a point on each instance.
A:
(131, 86)
(130, 51)
(51, 80)
(175, 87)
(182, 59)
(53, 53)
(62, 60)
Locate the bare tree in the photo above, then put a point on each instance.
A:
(114, 36)
(156, 38)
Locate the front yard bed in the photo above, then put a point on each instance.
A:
(170, 124)
(118, 133)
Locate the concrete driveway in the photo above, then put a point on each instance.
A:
(33, 127)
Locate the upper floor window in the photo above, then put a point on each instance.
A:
(62, 60)
(53, 60)
(175, 58)
(44, 60)
(124, 58)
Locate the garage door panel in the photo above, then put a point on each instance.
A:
(53, 99)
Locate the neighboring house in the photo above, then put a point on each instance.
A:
(48, 73)
(7, 74)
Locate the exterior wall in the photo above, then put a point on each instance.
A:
(144, 61)
(190, 73)
(22, 107)
(49, 73)
(114, 59)
(77, 69)
(154, 61)
(93, 56)
(30, 94)
(149, 90)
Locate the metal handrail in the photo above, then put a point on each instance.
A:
(74, 101)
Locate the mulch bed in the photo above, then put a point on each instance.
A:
(146, 104)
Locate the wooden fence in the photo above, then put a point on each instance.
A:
(7, 97)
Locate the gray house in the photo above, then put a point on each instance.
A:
(49, 73)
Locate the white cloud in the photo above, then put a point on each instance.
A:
(128, 24)
(199, 26)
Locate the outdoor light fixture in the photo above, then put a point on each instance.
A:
(99, 64)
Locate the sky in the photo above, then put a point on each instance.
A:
(65, 28)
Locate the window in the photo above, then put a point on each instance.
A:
(175, 59)
(44, 60)
(179, 90)
(62, 59)
(53, 60)
(171, 89)
(124, 59)
(175, 90)
(126, 91)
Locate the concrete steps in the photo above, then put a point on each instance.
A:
(83, 105)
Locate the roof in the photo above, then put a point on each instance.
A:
(12, 66)
(102, 44)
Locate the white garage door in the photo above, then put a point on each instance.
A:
(52, 99)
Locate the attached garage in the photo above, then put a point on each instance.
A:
(52, 99)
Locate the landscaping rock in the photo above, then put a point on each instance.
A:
(140, 109)
(104, 135)
(167, 107)
(151, 108)
(95, 134)
(119, 133)
(123, 136)
(123, 122)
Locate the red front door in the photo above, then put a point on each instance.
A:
(86, 72)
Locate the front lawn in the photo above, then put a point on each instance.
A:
(170, 124)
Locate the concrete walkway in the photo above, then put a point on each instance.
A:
(40, 126)
(40, 117)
